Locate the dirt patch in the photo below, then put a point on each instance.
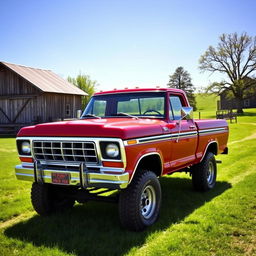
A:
(240, 177)
(17, 219)
(251, 137)
(248, 247)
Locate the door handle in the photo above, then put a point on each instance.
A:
(192, 126)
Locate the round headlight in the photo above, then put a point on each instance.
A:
(25, 147)
(112, 150)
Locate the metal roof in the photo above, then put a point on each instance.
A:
(45, 80)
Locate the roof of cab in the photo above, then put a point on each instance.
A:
(141, 90)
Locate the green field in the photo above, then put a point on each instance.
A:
(206, 105)
(219, 222)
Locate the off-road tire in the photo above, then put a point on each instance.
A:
(204, 174)
(135, 211)
(47, 199)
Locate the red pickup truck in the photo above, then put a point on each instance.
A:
(124, 141)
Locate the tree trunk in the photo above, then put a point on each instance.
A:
(240, 106)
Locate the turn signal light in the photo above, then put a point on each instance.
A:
(131, 142)
(113, 164)
(26, 159)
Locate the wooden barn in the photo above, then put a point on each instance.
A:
(231, 103)
(30, 96)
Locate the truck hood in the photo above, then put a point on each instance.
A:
(124, 128)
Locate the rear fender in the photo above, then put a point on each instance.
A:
(213, 147)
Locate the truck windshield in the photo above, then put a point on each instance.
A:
(149, 105)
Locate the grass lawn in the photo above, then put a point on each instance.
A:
(206, 105)
(219, 222)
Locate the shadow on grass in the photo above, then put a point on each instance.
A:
(2, 136)
(93, 228)
(246, 113)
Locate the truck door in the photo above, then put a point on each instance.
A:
(184, 135)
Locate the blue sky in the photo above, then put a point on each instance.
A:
(119, 43)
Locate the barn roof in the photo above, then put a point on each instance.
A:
(45, 80)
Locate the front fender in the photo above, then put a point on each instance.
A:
(135, 153)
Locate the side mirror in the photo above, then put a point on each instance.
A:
(186, 113)
(78, 113)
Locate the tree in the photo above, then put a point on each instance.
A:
(235, 57)
(181, 80)
(85, 83)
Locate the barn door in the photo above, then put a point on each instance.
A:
(16, 109)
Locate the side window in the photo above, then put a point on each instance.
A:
(175, 108)
(68, 110)
(99, 108)
(247, 103)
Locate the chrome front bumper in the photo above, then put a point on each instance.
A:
(80, 178)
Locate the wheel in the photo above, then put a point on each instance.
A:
(152, 110)
(47, 199)
(139, 203)
(204, 174)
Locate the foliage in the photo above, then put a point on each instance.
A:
(181, 80)
(85, 83)
(235, 57)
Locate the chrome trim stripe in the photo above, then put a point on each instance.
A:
(212, 130)
(118, 182)
(166, 138)
(163, 137)
(174, 136)
(24, 174)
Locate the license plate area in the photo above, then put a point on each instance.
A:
(60, 178)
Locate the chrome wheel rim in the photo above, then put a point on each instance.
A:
(148, 202)
(210, 173)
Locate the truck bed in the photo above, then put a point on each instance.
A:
(211, 130)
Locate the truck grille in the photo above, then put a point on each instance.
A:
(65, 151)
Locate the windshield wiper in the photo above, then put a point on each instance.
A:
(125, 114)
(90, 115)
